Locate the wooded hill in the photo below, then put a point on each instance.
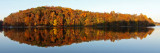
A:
(61, 16)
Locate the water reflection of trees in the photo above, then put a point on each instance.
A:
(46, 37)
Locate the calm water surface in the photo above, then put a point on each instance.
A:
(80, 40)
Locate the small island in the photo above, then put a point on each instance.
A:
(61, 16)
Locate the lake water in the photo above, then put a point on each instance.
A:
(80, 40)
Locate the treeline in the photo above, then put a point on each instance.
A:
(1, 23)
(50, 37)
(60, 16)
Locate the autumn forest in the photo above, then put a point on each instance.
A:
(61, 16)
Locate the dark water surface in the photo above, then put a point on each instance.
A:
(80, 40)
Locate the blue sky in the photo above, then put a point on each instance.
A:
(148, 7)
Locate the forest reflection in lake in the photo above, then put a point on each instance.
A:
(50, 37)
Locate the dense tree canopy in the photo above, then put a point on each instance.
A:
(60, 16)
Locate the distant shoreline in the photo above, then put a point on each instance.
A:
(68, 26)
(62, 17)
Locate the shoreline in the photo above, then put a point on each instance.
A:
(71, 26)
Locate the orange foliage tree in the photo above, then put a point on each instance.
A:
(60, 16)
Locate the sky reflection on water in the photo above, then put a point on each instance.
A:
(149, 44)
